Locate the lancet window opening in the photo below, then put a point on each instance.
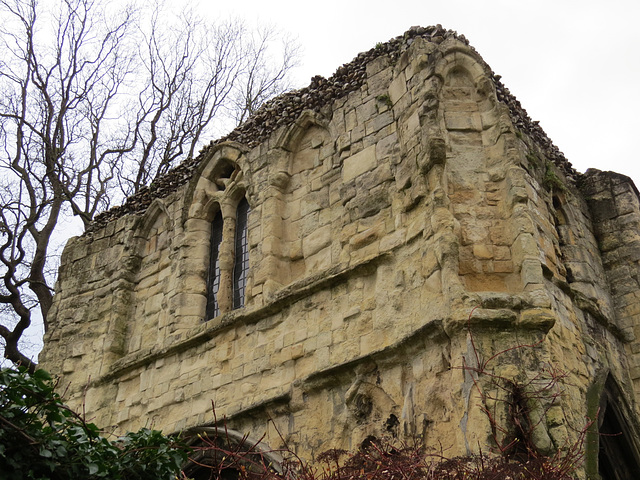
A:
(235, 268)
(618, 454)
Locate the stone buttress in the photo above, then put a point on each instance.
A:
(412, 235)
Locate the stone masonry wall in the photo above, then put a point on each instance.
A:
(400, 228)
(613, 203)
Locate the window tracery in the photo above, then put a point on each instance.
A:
(228, 258)
(218, 217)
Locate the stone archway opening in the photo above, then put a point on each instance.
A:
(618, 453)
(222, 453)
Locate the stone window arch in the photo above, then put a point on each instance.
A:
(618, 449)
(216, 221)
(228, 256)
(223, 453)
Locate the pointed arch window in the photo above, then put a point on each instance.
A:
(619, 451)
(228, 260)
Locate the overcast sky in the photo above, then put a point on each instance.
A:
(574, 65)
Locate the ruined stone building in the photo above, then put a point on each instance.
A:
(364, 257)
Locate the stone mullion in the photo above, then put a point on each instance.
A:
(226, 256)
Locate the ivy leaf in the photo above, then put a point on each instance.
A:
(45, 453)
(68, 446)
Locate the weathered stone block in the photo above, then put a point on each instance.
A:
(397, 88)
(359, 163)
(369, 203)
(316, 241)
(377, 123)
(382, 220)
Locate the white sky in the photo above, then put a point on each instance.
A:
(574, 65)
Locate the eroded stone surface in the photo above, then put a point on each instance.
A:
(395, 206)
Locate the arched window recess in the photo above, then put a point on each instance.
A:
(619, 446)
(213, 281)
(217, 198)
(228, 257)
(225, 454)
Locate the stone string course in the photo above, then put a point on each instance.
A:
(287, 107)
(387, 217)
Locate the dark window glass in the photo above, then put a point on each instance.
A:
(213, 283)
(241, 261)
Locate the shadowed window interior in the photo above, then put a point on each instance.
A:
(618, 457)
(231, 292)
(226, 454)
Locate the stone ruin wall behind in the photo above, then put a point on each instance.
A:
(378, 224)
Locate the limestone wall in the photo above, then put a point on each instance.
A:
(384, 223)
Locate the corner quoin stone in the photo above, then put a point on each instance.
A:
(388, 203)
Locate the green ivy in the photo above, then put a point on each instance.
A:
(386, 99)
(41, 438)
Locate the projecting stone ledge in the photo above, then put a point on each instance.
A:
(412, 238)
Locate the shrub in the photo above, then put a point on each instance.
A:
(41, 438)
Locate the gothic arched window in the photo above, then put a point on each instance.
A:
(619, 455)
(228, 260)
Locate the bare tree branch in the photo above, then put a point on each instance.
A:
(94, 104)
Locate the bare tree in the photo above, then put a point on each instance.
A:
(262, 77)
(93, 106)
